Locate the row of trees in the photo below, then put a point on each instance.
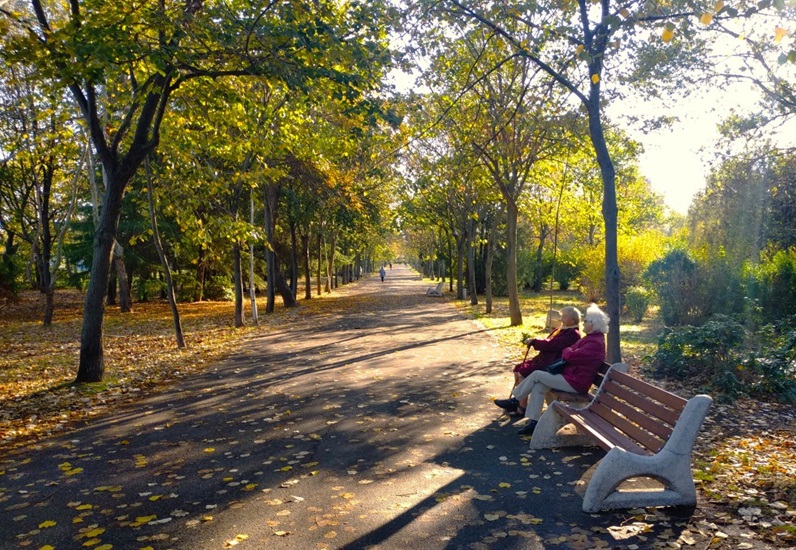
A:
(190, 132)
(184, 140)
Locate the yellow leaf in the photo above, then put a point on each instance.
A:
(779, 34)
(309, 464)
(209, 450)
(146, 548)
(285, 468)
(579, 49)
(504, 485)
(47, 547)
(491, 517)
(347, 496)
(77, 520)
(84, 507)
(717, 7)
(624, 12)
(141, 520)
(104, 547)
(595, 78)
(153, 498)
(46, 524)
(250, 486)
(91, 542)
(706, 18)
(667, 35)
(95, 532)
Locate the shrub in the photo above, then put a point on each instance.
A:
(219, 287)
(637, 300)
(719, 358)
(772, 364)
(674, 280)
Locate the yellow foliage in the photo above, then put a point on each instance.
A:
(706, 18)
(667, 35)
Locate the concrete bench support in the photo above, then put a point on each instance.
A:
(647, 432)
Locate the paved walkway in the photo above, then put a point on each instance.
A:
(365, 423)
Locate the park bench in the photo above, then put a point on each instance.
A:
(435, 291)
(648, 433)
(572, 398)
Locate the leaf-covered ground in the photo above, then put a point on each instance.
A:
(745, 457)
(744, 461)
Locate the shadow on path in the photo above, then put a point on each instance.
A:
(364, 422)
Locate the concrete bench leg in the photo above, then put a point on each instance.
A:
(547, 436)
(674, 472)
(671, 466)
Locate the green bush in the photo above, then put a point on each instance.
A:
(772, 284)
(674, 279)
(772, 364)
(219, 287)
(637, 300)
(720, 358)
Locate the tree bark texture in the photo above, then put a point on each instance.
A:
(515, 314)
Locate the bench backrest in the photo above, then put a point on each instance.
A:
(637, 411)
(440, 285)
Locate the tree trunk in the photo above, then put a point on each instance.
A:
(490, 247)
(252, 285)
(284, 290)
(461, 240)
(175, 314)
(305, 255)
(612, 276)
(320, 261)
(511, 264)
(293, 259)
(471, 264)
(125, 302)
(92, 355)
(240, 318)
(330, 273)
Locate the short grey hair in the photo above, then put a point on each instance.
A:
(598, 318)
(571, 312)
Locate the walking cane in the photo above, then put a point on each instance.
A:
(523, 360)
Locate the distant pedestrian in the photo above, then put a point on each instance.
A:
(382, 273)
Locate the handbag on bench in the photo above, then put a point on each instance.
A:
(556, 367)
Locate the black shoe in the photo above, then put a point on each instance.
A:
(528, 428)
(510, 405)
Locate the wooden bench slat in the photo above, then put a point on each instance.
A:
(667, 398)
(662, 431)
(604, 434)
(642, 402)
(632, 431)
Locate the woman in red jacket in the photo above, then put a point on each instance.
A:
(583, 362)
(549, 349)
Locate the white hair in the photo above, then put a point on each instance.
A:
(571, 312)
(598, 318)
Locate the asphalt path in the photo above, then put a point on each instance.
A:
(365, 421)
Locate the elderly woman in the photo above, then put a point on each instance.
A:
(583, 361)
(549, 349)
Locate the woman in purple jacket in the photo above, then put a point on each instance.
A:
(549, 349)
(583, 362)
